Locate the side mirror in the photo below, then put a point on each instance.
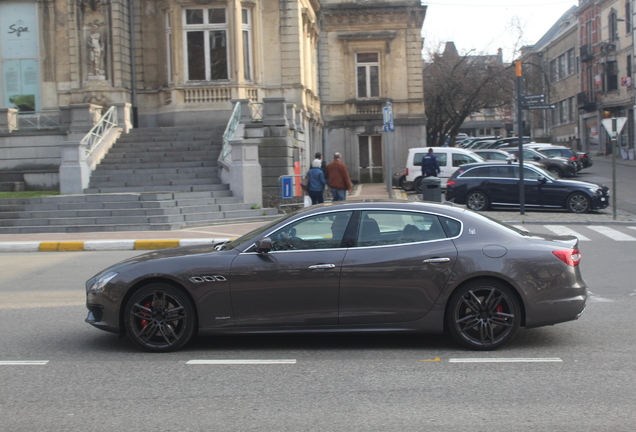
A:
(537, 158)
(263, 245)
(542, 179)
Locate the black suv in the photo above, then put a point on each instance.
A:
(482, 185)
(559, 166)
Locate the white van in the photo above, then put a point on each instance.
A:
(449, 158)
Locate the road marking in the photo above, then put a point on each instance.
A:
(506, 360)
(612, 233)
(563, 230)
(239, 362)
(596, 298)
(436, 359)
(521, 228)
(23, 362)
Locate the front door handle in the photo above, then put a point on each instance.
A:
(322, 266)
(436, 260)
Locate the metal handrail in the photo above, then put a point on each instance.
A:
(257, 111)
(230, 130)
(38, 120)
(95, 136)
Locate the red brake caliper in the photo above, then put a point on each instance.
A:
(144, 323)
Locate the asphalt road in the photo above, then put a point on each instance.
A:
(93, 381)
(601, 172)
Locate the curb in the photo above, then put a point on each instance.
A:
(102, 245)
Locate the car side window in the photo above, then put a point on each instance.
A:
(501, 172)
(529, 174)
(324, 231)
(417, 159)
(460, 159)
(381, 228)
(441, 158)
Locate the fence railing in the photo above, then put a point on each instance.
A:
(230, 130)
(39, 120)
(95, 136)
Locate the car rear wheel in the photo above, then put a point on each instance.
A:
(556, 171)
(483, 315)
(160, 318)
(417, 185)
(477, 201)
(578, 203)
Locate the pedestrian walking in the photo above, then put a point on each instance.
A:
(430, 166)
(323, 164)
(338, 178)
(317, 182)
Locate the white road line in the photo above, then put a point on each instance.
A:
(506, 360)
(611, 233)
(522, 228)
(239, 362)
(23, 362)
(563, 230)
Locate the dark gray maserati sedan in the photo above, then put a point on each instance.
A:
(391, 266)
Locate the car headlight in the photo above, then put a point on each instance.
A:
(100, 283)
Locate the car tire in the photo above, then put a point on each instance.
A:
(578, 202)
(417, 185)
(477, 201)
(483, 315)
(556, 171)
(401, 182)
(159, 318)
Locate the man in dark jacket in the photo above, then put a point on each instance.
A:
(430, 166)
(338, 178)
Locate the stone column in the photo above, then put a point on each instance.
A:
(83, 117)
(246, 110)
(245, 173)
(74, 171)
(275, 112)
(8, 119)
(123, 116)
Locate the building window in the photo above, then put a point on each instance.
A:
(246, 16)
(571, 108)
(570, 61)
(206, 44)
(628, 17)
(613, 26)
(611, 75)
(367, 75)
(553, 70)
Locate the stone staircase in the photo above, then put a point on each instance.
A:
(151, 179)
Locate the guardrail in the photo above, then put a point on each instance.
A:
(38, 120)
(230, 130)
(95, 136)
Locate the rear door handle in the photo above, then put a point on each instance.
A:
(322, 266)
(436, 260)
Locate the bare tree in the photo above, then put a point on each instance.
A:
(455, 86)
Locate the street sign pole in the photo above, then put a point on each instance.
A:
(522, 196)
(614, 126)
(388, 128)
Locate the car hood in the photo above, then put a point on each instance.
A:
(581, 184)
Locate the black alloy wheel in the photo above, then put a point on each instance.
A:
(477, 201)
(578, 202)
(483, 315)
(160, 318)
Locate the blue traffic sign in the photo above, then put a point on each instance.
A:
(287, 190)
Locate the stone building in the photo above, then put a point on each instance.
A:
(334, 64)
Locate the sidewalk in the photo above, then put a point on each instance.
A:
(210, 234)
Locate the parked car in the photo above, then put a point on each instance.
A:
(561, 151)
(485, 185)
(511, 141)
(585, 158)
(495, 155)
(559, 166)
(483, 144)
(449, 159)
(399, 177)
(368, 266)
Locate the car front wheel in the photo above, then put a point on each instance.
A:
(483, 315)
(556, 171)
(578, 203)
(477, 201)
(160, 318)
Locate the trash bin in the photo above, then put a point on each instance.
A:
(432, 189)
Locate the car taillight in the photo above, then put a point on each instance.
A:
(573, 158)
(451, 183)
(407, 171)
(571, 257)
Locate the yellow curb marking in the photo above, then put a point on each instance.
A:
(70, 246)
(432, 360)
(156, 244)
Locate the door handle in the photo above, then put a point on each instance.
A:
(436, 260)
(322, 266)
